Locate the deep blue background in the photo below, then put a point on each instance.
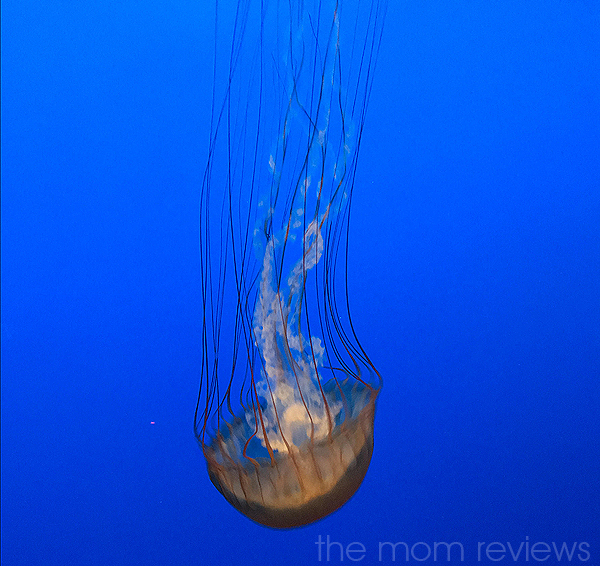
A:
(475, 284)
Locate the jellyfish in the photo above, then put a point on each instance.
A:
(286, 405)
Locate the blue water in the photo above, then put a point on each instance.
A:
(475, 285)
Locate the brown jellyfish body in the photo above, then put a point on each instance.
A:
(286, 407)
(300, 485)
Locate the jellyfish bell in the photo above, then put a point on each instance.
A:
(300, 483)
(286, 406)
